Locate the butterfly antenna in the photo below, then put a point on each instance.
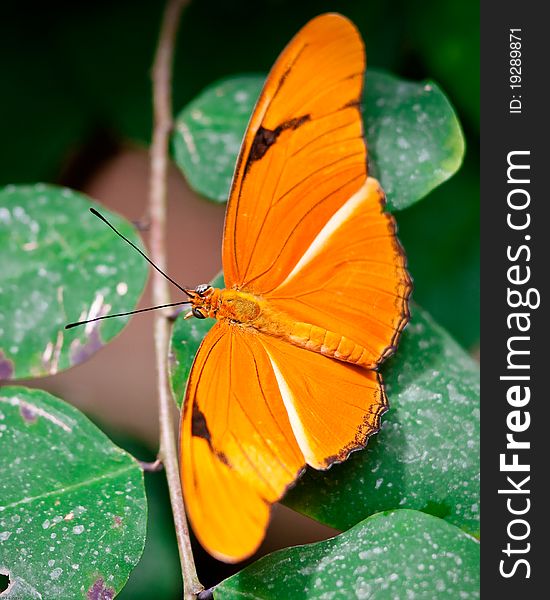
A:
(100, 216)
(124, 314)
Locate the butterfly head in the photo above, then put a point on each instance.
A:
(204, 300)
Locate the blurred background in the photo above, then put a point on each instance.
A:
(76, 110)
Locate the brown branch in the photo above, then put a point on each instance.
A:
(162, 104)
(151, 467)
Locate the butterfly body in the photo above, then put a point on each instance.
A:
(235, 306)
(316, 298)
(253, 313)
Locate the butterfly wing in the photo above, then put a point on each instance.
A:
(302, 157)
(256, 411)
(301, 190)
(352, 280)
(238, 451)
(333, 406)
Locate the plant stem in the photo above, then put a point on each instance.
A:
(151, 467)
(162, 104)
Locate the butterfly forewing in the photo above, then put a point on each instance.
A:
(238, 450)
(302, 157)
(353, 278)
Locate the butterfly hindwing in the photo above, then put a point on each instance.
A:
(333, 406)
(353, 278)
(238, 451)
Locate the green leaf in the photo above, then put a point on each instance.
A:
(426, 455)
(401, 554)
(187, 336)
(60, 264)
(73, 508)
(209, 130)
(414, 138)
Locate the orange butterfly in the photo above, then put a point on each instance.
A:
(317, 295)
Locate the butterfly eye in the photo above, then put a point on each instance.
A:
(202, 288)
(197, 313)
